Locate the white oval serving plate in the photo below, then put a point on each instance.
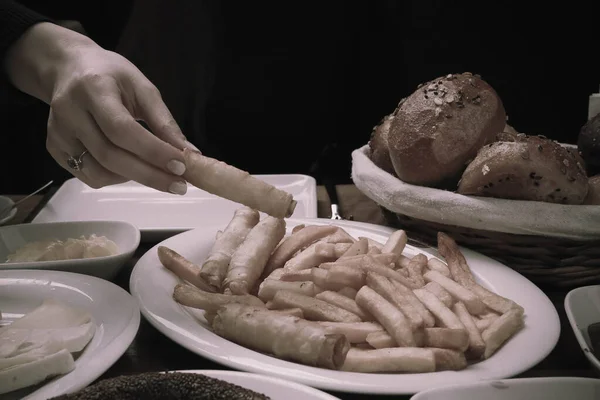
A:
(519, 389)
(153, 286)
(115, 312)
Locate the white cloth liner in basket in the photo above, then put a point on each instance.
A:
(445, 207)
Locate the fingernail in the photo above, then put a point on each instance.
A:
(176, 167)
(178, 187)
(191, 146)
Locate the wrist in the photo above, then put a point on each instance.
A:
(35, 61)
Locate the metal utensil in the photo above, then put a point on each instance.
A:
(333, 199)
(6, 210)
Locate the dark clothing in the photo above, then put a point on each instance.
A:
(267, 85)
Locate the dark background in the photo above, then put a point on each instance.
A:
(289, 79)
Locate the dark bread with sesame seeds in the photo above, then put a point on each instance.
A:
(593, 196)
(439, 128)
(531, 168)
(588, 144)
(378, 145)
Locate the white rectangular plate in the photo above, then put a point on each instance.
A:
(159, 215)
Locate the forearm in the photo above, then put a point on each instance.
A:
(33, 62)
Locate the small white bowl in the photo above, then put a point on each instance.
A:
(559, 388)
(582, 306)
(7, 202)
(125, 235)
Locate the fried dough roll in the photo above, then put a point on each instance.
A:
(214, 268)
(284, 336)
(226, 181)
(249, 259)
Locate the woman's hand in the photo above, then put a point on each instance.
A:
(96, 98)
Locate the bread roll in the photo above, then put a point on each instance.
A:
(593, 196)
(508, 134)
(533, 168)
(588, 144)
(378, 145)
(441, 126)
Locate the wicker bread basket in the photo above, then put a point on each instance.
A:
(555, 246)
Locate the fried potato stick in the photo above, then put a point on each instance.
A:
(395, 243)
(344, 302)
(314, 255)
(388, 291)
(441, 293)
(460, 293)
(391, 318)
(476, 343)
(214, 268)
(501, 330)
(226, 181)
(268, 288)
(360, 247)
(295, 242)
(356, 332)
(189, 296)
(313, 309)
(182, 268)
(397, 359)
(437, 308)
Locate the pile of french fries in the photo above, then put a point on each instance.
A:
(327, 299)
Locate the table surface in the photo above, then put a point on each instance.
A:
(152, 351)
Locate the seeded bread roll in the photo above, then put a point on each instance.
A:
(378, 145)
(533, 168)
(588, 144)
(593, 196)
(509, 134)
(441, 126)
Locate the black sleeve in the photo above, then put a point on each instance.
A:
(15, 19)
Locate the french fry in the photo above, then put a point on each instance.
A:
(457, 264)
(214, 268)
(360, 247)
(293, 243)
(339, 236)
(314, 255)
(382, 259)
(190, 296)
(356, 332)
(348, 292)
(226, 181)
(395, 243)
(380, 340)
(183, 268)
(397, 359)
(372, 243)
(402, 262)
(294, 276)
(436, 265)
(441, 293)
(341, 275)
(449, 360)
(476, 343)
(428, 318)
(494, 301)
(460, 293)
(297, 228)
(373, 250)
(501, 330)
(276, 275)
(415, 268)
(388, 291)
(392, 319)
(320, 278)
(485, 320)
(249, 259)
(437, 308)
(294, 312)
(344, 302)
(371, 264)
(313, 309)
(445, 338)
(269, 287)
